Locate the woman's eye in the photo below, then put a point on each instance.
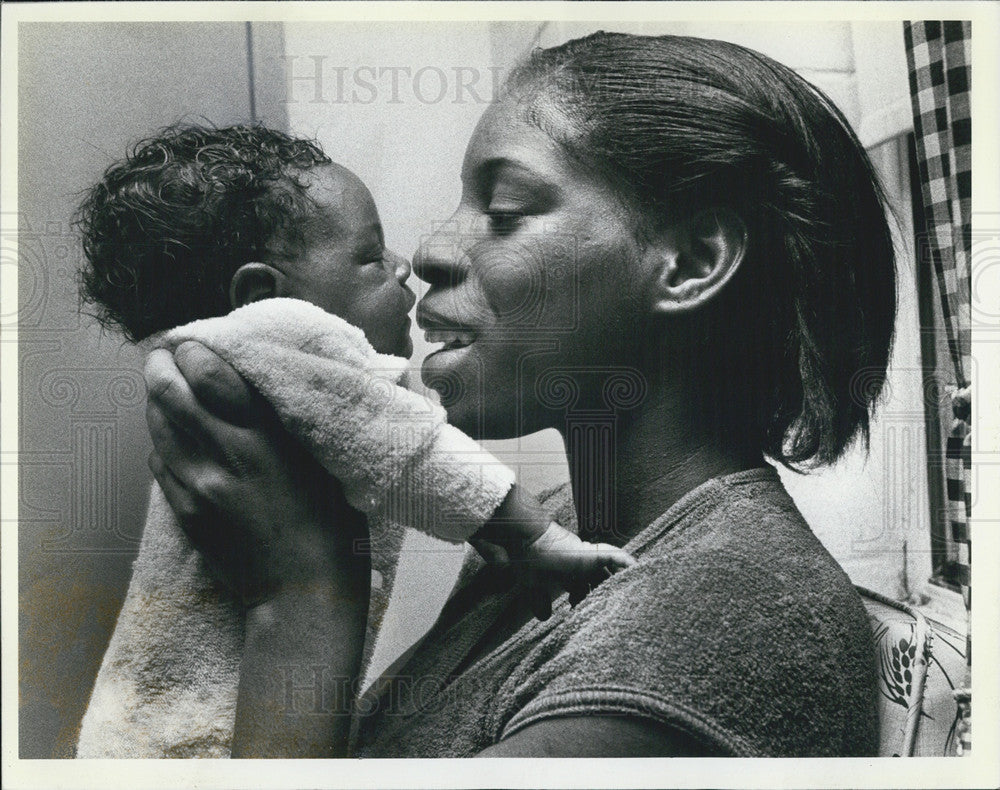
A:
(503, 223)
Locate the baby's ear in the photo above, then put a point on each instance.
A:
(253, 282)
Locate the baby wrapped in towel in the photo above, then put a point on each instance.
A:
(194, 223)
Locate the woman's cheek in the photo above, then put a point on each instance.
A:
(517, 294)
(521, 278)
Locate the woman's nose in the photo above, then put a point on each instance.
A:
(439, 258)
(397, 265)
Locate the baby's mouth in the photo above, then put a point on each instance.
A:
(452, 339)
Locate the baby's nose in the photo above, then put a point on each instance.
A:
(398, 266)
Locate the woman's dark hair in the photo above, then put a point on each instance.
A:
(165, 230)
(793, 353)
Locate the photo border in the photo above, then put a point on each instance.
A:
(981, 769)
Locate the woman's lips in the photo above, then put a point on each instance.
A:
(455, 334)
(452, 339)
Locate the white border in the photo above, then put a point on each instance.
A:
(982, 769)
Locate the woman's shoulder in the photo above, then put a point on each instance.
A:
(735, 625)
(739, 529)
(737, 544)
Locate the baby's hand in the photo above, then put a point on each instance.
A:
(547, 558)
(558, 560)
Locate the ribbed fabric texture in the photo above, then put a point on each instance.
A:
(167, 684)
(736, 627)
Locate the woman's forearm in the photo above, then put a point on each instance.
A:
(301, 662)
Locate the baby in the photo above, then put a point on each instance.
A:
(198, 222)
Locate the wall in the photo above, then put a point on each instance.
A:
(86, 93)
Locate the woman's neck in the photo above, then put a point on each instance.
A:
(628, 469)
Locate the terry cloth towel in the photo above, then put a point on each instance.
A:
(167, 684)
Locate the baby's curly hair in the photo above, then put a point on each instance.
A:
(166, 228)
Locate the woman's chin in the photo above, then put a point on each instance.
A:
(448, 373)
(441, 368)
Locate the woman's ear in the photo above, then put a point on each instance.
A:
(696, 258)
(253, 282)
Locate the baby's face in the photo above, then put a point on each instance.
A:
(343, 265)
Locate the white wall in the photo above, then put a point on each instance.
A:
(86, 93)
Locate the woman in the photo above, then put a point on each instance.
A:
(681, 215)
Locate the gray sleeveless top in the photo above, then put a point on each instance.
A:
(736, 627)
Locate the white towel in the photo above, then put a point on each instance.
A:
(167, 685)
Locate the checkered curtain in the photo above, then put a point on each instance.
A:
(939, 60)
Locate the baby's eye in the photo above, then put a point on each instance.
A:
(503, 223)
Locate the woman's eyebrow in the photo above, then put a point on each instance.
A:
(488, 172)
(492, 168)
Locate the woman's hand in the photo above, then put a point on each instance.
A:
(274, 526)
(266, 516)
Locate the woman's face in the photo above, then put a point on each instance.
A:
(535, 276)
